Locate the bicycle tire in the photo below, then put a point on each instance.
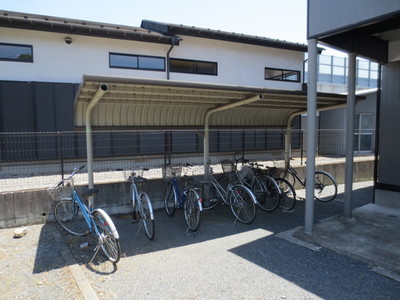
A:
(325, 187)
(242, 203)
(209, 196)
(192, 210)
(267, 193)
(147, 215)
(285, 174)
(108, 235)
(288, 195)
(70, 218)
(169, 199)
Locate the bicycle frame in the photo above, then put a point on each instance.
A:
(296, 175)
(135, 198)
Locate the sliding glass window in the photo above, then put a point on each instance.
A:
(141, 62)
(282, 75)
(14, 52)
(193, 66)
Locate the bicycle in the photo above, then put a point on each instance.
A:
(141, 204)
(240, 198)
(189, 199)
(325, 186)
(265, 186)
(78, 219)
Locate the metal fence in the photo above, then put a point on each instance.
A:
(32, 160)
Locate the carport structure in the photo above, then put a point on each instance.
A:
(123, 102)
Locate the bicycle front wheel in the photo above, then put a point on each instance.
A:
(108, 235)
(147, 215)
(241, 201)
(70, 218)
(191, 210)
(267, 193)
(169, 199)
(288, 194)
(325, 187)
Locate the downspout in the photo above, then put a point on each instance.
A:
(207, 125)
(174, 40)
(89, 145)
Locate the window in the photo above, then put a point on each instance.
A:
(282, 75)
(142, 62)
(193, 66)
(363, 132)
(12, 52)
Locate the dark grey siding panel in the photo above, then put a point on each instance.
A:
(64, 94)
(152, 142)
(18, 107)
(45, 117)
(389, 136)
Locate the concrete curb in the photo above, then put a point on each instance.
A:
(83, 284)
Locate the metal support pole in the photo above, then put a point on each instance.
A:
(89, 144)
(311, 134)
(207, 125)
(351, 99)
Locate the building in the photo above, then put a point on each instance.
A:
(369, 29)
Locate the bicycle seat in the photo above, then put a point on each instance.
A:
(89, 192)
(139, 179)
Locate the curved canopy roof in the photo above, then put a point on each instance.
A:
(137, 102)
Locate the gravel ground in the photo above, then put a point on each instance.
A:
(223, 260)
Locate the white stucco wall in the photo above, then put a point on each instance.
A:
(55, 61)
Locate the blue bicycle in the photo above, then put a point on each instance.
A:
(78, 219)
(189, 199)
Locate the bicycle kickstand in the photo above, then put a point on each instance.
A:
(96, 250)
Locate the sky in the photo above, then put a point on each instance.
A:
(276, 19)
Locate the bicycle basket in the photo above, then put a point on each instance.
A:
(171, 171)
(246, 172)
(227, 166)
(61, 192)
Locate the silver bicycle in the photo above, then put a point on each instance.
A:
(141, 204)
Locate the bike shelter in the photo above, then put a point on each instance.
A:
(105, 101)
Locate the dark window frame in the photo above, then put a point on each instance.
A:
(137, 56)
(282, 76)
(18, 59)
(194, 69)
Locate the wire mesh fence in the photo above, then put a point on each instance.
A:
(39, 160)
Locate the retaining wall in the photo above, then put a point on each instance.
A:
(36, 206)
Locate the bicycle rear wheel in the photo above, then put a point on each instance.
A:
(325, 187)
(267, 193)
(169, 199)
(147, 215)
(209, 195)
(70, 218)
(285, 174)
(191, 210)
(241, 201)
(108, 235)
(288, 194)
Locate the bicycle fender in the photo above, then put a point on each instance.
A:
(150, 207)
(110, 223)
(248, 190)
(199, 199)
